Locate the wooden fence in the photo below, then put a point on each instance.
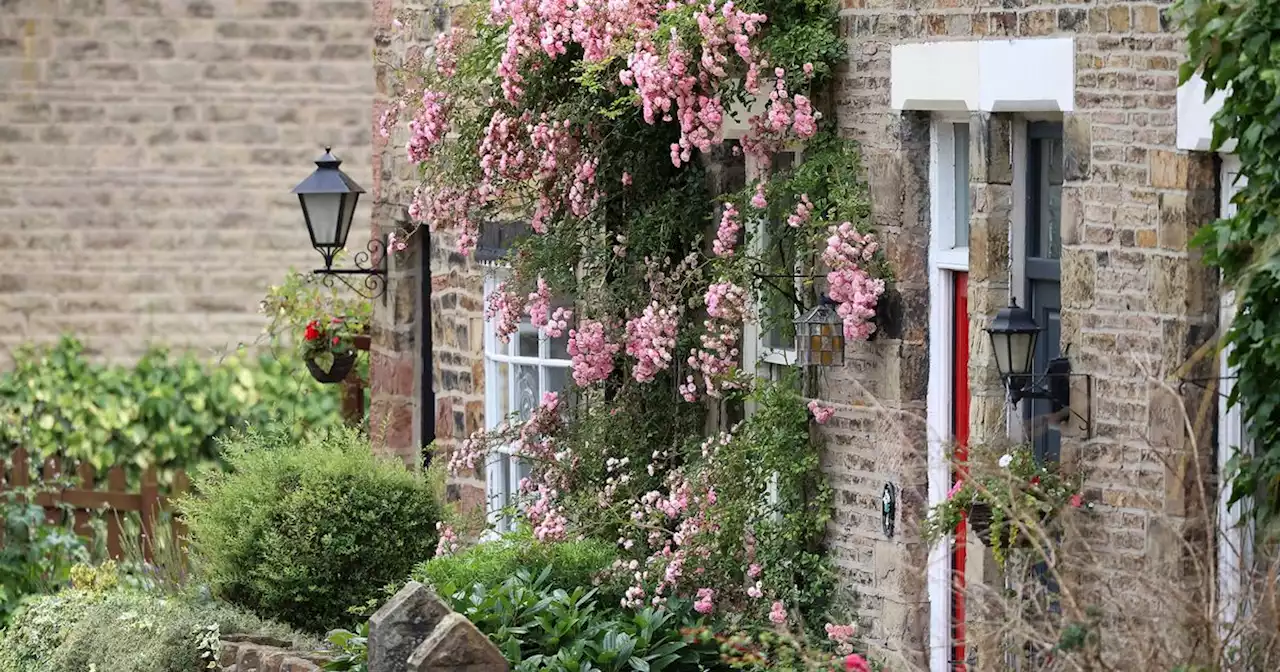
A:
(87, 501)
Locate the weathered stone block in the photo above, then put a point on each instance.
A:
(401, 625)
(455, 646)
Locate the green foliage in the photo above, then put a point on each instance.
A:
(164, 411)
(1232, 44)
(301, 531)
(76, 631)
(569, 564)
(352, 648)
(36, 557)
(539, 627)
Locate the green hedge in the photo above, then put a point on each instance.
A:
(570, 564)
(302, 531)
(77, 630)
(164, 410)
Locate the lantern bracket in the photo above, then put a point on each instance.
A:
(371, 266)
(1054, 385)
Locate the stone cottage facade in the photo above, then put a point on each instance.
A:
(147, 150)
(1029, 151)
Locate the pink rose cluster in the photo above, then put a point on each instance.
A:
(849, 284)
(821, 412)
(503, 309)
(842, 636)
(429, 126)
(786, 116)
(551, 323)
(651, 338)
(727, 233)
(718, 354)
(448, 543)
(591, 352)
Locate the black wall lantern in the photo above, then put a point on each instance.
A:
(1013, 335)
(328, 197)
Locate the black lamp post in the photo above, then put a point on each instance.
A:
(328, 197)
(1013, 335)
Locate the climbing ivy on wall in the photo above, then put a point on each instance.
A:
(1235, 47)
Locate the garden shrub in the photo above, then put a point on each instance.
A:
(79, 630)
(163, 410)
(569, 564)
(36, 556)
(301, 531)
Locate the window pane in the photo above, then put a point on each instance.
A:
(528, 340)
(526, 390)
(501, 391)
(560, 346)
(961, 153)
(557, 378)
(1051, 216)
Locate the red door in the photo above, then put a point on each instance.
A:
(960, 433)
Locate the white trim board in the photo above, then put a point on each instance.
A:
(1195, 116)
(1030, 75)
(944, 261)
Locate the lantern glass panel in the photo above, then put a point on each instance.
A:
(348, 214)
(323, 211)
(1022, 351)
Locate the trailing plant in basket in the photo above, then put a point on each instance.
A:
(1005, 492)
(323, 321)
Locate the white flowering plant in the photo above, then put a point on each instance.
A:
(1000, 491)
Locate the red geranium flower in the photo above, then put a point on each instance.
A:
(1035, 480)
(312, 332)
(335, 340)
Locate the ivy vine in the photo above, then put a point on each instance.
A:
(1234, 45)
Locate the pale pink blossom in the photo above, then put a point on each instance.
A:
(821, 412)
(703, 605)
(777, 613)
(591, 352)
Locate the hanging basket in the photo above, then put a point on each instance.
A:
(342, 365)
(980, 522)
(979, 519)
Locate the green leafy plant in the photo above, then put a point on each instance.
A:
(75, 631)
(538, 627)
(164, 411)
(1005, 492)
(322, 319)
(352, 649)
(569, 563)
(301, 531)
(36, 556)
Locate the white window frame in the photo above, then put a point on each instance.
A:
(768, 360)
(502, 468)
(1235, 534)
(946, 257)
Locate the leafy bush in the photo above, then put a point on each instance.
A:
(78, 630)
(36, 556)
(299, 532)
(569, 564)
(539, 627)
(163, 410)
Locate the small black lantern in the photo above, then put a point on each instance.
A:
(820, 335)
(328, 197)
(1013, 339)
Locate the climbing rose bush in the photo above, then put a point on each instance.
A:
(593, 124)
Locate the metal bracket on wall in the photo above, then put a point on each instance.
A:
(371, 265)
(1212, 384)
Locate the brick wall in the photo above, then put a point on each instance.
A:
(147, 150)
(457, 286)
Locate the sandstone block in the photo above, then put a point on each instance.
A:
(456, 646)
(403, 623)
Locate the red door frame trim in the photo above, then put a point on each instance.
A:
(960, 432)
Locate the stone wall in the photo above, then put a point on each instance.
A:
(248, 653)
(1135, 302)
(457, 284)
(147, 150)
